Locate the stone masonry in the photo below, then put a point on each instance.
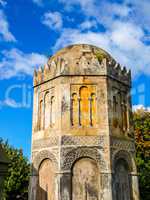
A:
(82, 138)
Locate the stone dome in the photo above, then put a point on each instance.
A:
(78, 59)
(76, 51)
(81, 59)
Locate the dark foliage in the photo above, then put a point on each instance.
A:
(16, 183)
(142, 139)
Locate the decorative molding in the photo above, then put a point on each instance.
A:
(43, 143)
(83, 141)
(70, 156)
(127, 156)
(42, 155)
(52, 141)
(122, 144)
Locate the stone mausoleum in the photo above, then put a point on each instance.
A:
(82, 142)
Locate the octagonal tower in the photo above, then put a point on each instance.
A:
(82, 137)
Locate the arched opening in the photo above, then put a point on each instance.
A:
(85, 180)
(122, 182)
(46, 181)
(84, 106)
(46, 110)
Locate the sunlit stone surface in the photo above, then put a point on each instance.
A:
(82, 139)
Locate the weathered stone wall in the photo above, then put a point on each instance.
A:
(120, 110)
(82, 128)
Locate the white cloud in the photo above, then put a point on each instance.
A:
(135, 11)
(126, 35)
(72, 36)
(104, 11)
(38, 2)
(118, 9)
(140, 107)
(88, 24)
(125, 46)
(140, 12)
(15, 62)
(86, 5)
(53, 20)
(5, 34)
(3, 3)
(124, 24)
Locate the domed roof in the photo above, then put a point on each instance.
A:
(79, 59)
(76, 51)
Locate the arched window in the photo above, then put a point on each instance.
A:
(52, 111)
(40, 120)
(93, 109)
(84, 106)
(47, 110)
(74, 109)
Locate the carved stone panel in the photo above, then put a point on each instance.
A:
(70, 155)
(83, 140)
(85, 180)
(122, 144)
(45, 142)
(42, 155)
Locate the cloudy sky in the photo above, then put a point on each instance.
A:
(32, 30)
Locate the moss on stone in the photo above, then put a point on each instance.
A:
(100, 56)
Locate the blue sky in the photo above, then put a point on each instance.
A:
(32, 30)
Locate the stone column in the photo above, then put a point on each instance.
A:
(135, 186)
(64, 185)
(105, 186)
(33, 187)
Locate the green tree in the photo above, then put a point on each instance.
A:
(16, 183)
(142, 139)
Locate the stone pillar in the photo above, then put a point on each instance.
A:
(64, 179)
(105, 186)
(33, 187)
(135, 186)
